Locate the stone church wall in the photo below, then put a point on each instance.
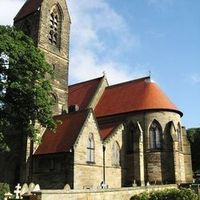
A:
(187, 157)
(156, 162)
(53, 171)
(160, 166)
(88, 174)
(167, 164)
(114, 173)
(37, 26)
(57, 56)
(98, 93)
(99, 194)
(59, 87)
(161, 158)
(154, 167)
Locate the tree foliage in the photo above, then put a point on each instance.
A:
(194, 138)
(25, 93)
(4, 187)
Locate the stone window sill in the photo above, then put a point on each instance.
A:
(90, 162)
(155, 150)
(116, 166)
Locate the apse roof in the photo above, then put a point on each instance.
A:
(65, 134)
(137, 95)
(29, 7)
(81, 93)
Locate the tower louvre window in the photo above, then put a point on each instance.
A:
(54, 26)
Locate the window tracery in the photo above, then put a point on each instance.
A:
(155, 133)
(55, 26)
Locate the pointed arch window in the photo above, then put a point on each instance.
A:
(130, 138)
(55, 26)
(155, 132)
(179, 133)
(115, 154)
(90, 149)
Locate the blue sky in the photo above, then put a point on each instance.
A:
(126, 39)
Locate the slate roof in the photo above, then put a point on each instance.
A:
(106, 129)
(29, 7)
(66, 133)
(137, 95)
(82, 93)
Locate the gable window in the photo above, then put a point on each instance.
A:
(155, 132)
(90, 148)
(115, 154)
(54, 26)
(180, 144)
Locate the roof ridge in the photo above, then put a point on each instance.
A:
(134, 80)
(23, 13)
(66, 135)
(85, 81)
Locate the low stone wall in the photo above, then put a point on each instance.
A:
(100, 194)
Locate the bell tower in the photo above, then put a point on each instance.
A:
(48, 23)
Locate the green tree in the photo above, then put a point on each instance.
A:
(25, 92)
(194, 138)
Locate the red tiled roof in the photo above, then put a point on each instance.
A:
(66, 133)
(82, 93)
(136, 95)
(106, 129)
(28, 8)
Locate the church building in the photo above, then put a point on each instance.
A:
(107, 136)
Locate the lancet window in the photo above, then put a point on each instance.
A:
(130, 138)
(90, 148)
(179, 133)
(116, 154)
(155, 133)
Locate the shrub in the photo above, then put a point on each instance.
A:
(4, 187)
(168, 194)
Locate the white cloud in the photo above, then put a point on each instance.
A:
(99, 39)
(195, 77)
(84, 66)
(99, 36)
(8, 10)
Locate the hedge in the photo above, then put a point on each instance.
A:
(168, 194)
